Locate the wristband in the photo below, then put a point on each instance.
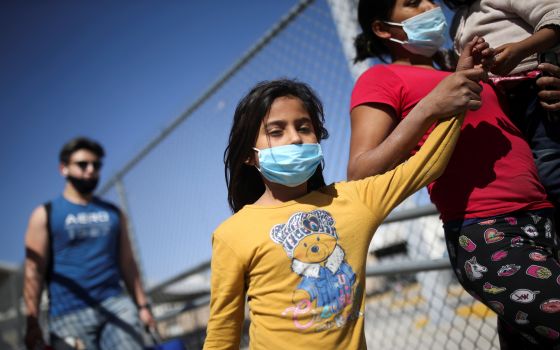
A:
(146, 306)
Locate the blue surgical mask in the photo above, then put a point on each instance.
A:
(425, 32)
(290, 165)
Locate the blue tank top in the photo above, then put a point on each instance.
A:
(84, 265)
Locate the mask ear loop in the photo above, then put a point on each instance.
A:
(398, 41)
(271, 152)
(394, 23)
(323, 158)
(398, 25)
(255, 165)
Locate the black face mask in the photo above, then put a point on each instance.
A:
(83, 186)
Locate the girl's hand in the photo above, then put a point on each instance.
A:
(508, 56)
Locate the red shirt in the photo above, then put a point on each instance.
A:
(491, 172)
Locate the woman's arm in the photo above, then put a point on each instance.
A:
(384, 192)
(379, 141)
(371, 125)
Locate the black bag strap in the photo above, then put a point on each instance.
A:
(48, 209)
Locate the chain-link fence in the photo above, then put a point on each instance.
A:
(174, 194)
(11, 316)
(412, 297)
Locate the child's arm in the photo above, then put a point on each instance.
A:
(508, 56)
(543, 16)
(227, 300)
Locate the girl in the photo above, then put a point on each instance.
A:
(295, 249)
(497, 221)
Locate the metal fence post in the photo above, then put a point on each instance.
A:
(344, 14)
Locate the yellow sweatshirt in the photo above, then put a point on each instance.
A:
(301, 264)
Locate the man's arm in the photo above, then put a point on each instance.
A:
(131, 276)
(36, 259)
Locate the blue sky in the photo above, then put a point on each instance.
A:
(115, 71)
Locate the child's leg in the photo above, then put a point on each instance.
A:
(545, 145)
(542, 134)
(511, 265)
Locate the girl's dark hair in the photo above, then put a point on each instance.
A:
(244, 182)
(77, 144)
(368, 44)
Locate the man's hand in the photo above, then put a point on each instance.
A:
(33, 335)
(550, 87)
(146, 317)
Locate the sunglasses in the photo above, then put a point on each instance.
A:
(82, 164)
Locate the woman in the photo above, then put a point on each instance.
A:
(521, 31)
(497, 221)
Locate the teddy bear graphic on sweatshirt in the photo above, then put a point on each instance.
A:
(311, 241)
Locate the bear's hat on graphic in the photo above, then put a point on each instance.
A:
(301, 225)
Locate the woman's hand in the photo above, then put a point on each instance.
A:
(461, 90)
(455, 94)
